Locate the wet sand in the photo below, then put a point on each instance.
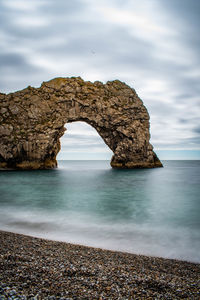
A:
(33, 268)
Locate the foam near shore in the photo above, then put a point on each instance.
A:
(33, 268)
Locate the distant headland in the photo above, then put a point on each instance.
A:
(32, 121)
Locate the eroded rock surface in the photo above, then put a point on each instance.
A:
(32, 121)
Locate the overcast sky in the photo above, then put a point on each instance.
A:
(152, 45)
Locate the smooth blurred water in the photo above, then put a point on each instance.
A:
(151, 211)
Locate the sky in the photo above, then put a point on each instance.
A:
(152, 45)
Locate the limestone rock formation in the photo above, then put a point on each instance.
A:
(32, 121)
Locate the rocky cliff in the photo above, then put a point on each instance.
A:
(32, 121)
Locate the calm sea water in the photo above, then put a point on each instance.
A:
(152, 212)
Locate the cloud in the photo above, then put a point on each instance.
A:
(81, 141)
(81, 137)
(11, 60)
(152, 45)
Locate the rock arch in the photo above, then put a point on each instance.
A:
(32, 121)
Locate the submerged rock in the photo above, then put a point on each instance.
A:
(32, 121)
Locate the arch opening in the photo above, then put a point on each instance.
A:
(81, 141)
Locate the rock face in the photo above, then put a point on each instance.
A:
(32, 121)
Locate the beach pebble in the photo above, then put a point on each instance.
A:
(37, 269)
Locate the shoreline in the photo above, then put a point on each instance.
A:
(35, 267)
(59, 240)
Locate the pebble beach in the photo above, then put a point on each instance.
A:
(34, 268)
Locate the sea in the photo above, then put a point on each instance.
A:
(152, 212)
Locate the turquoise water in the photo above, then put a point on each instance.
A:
(153, 211)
